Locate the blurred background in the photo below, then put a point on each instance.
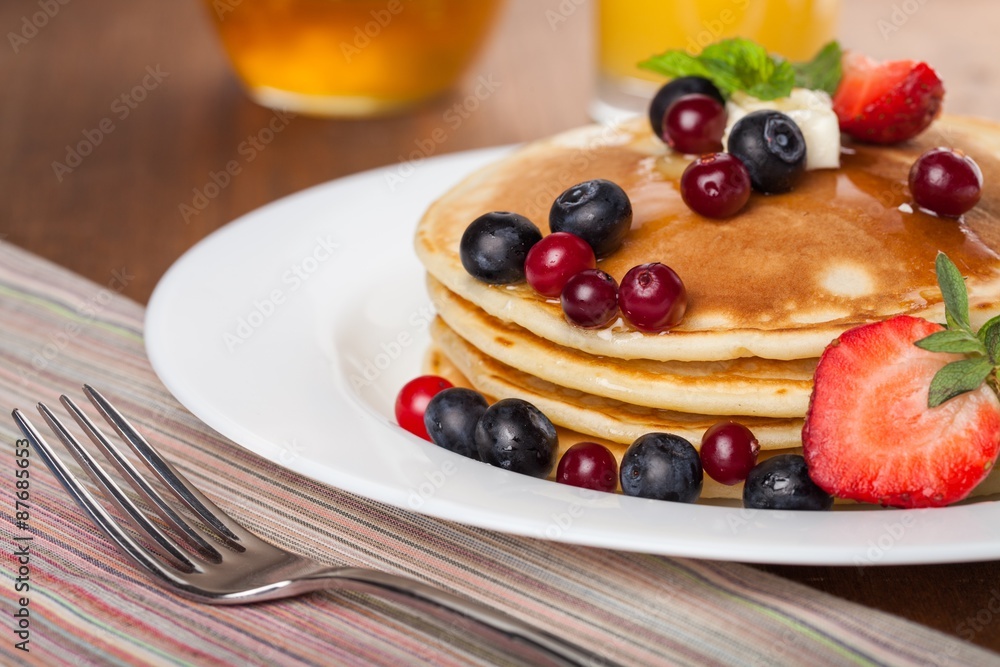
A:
(175, 147)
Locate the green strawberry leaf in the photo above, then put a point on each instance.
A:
(823, 72)
(742, 64)
(957, 378)
(953, 341)
(956, 299)
(983, 349)
(990, 324)
(989, 334)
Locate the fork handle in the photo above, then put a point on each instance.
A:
(532, 644)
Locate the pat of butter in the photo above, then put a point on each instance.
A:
(812, 111)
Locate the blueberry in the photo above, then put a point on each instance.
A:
(772, 148)
(662, 466)
(515, 435)
(451, 417)
(495, 245)
(782, 483)
(597, 211)
(672, 90)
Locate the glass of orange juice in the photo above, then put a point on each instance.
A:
(629, 31)
(350, 58)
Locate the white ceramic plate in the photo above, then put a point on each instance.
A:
(291, 330)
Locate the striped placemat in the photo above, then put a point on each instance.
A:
(75, 600)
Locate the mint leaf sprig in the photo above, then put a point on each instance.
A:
(824, 71)
(742, 64)
(982, 349)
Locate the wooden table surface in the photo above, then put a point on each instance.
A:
(121, 206)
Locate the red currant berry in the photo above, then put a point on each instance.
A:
(590, 299)
(555, 259)
(652, 297)
(412, 400)
(716, 185)
(674, 90)
(589, 466)
(728, 452)
(695, 124)
(946, 181)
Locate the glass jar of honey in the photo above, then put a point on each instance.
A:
(350, 58)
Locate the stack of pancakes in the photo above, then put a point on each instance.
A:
(768, 289)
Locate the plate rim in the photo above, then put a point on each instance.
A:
(585, 530)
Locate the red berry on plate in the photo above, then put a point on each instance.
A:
(673, 90)
(716, 185)
(888, 102)
(589, 466)
(412, 400)
(555, 259)
(728, 452)
(652, 297)
(695, 124)
(590, 299)
(946, 181)
(869, 435)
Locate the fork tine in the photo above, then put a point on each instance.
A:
(175, 481)
(138, 482)
(115, 494)
(86, 500)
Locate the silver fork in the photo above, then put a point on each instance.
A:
(248, 569)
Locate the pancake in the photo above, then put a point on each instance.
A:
(596, 416)
(436, 362)
(779, 281)
(747, 386)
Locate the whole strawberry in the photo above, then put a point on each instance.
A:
(900, 413)
(887, 102)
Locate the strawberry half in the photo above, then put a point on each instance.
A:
(885, 103)
(869, 434)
